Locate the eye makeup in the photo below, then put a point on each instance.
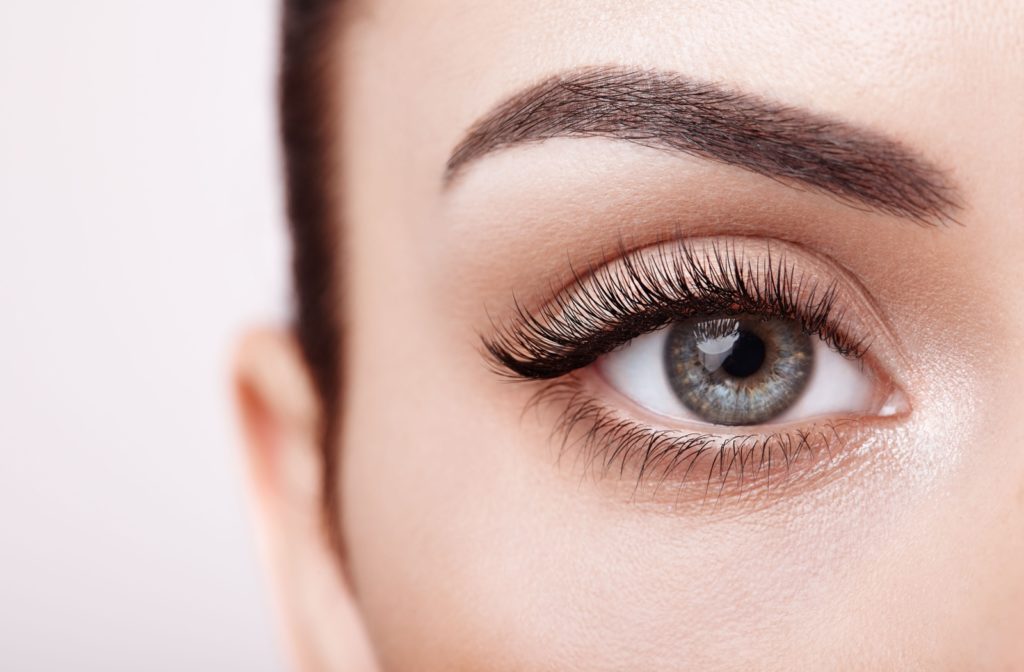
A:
(609, 305)
(777, 302)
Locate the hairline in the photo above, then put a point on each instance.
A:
(307, 120)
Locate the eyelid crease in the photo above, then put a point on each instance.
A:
(644, 290)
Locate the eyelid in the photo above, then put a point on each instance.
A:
(611, 434)
(725, 473)
(585, 320)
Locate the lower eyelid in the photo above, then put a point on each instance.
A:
(688, 467)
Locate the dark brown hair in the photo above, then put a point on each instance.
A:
(305, 86)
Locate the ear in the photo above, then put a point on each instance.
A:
(280, 416)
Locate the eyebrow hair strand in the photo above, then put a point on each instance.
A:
(666, 110)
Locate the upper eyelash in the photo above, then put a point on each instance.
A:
(611, 305)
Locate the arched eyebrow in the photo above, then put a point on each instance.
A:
(668, 111)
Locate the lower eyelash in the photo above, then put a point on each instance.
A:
(701, 466)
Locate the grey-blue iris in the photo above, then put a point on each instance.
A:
(741, 370)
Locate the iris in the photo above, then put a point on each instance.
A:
(738, 371)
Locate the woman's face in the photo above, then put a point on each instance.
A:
(706, 357)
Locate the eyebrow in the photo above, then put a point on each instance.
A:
(666, 110)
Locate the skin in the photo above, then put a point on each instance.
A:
(468, 544)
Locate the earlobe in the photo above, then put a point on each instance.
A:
(280, 417)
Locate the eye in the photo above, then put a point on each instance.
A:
(742, 370)
(654, 359)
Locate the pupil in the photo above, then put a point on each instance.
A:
(746, 357)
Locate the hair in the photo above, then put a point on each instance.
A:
(304, 88)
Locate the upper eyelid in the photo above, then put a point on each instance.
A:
(525, 334)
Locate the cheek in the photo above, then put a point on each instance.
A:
(474, 545)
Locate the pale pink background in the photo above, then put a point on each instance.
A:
(139, 228)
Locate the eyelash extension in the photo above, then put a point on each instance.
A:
(610, 444)
(616, 303)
